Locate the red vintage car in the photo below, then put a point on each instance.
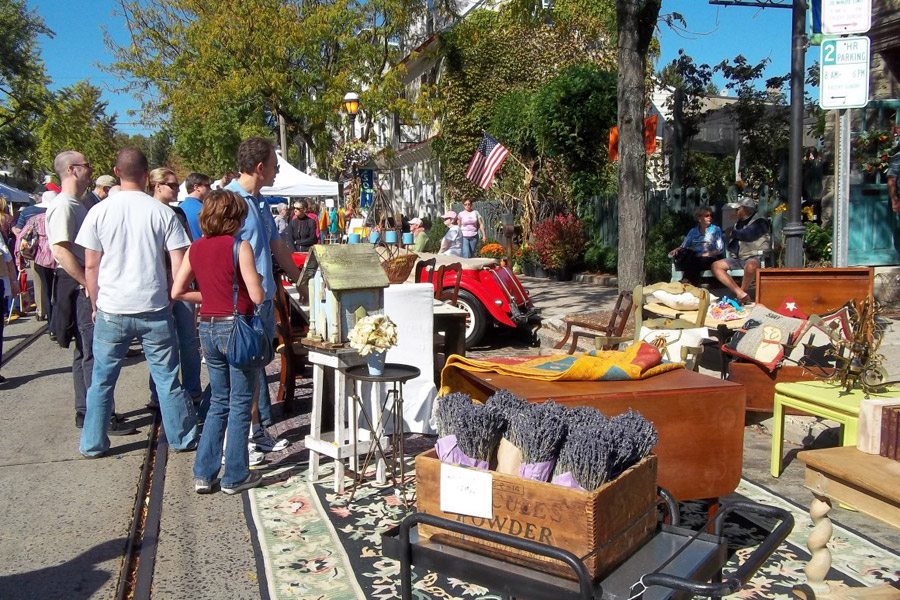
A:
(489, 293)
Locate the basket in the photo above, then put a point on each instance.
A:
(398, 268)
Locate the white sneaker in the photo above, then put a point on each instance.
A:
(256, 458)
(263, 441)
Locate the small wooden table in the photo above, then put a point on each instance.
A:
(869, 483)
(825, 399)
(700, 420)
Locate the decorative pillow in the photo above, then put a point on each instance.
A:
(812, 345)
(760, 339)
(669, 342)
(838, 320)
(789, 308)
(683, 301)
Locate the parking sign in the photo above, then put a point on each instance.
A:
(846, 16)
(844, 73)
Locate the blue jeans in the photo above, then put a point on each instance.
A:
(188, 351)
(230, 405)
(468, 248)
(112, 335)
(267, 313)
(83, 358)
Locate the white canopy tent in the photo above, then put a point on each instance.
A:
(291, 181)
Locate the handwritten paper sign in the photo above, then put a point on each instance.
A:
(466, 492)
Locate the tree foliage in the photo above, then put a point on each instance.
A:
(215, 71)
(75, 119)
(23, 82)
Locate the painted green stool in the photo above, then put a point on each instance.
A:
(822, 399)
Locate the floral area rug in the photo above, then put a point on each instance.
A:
(317, 544)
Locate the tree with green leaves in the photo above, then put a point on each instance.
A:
(215, 71)
(23, 83)
(636, 23)
(75, 119)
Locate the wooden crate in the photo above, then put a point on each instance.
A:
(760, 383)
(618, 518)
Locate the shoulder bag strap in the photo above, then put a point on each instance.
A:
(234, 280)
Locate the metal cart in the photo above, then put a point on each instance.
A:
(676, 563)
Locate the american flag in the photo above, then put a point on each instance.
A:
(488, 158)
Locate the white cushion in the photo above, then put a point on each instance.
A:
(671, 341)
(682, 301)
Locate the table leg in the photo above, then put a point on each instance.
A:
(315, 427)
(851, 432)
(340, 428)
(817, 542)
(378, 424)
(777, 437)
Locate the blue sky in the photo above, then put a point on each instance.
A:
(713, 33)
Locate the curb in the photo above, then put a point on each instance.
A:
(600, 280)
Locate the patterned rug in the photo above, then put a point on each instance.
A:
(317, 545)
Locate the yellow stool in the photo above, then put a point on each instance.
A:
(819, 398)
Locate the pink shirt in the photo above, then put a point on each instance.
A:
(468, 222)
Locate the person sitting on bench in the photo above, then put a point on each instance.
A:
(749, 238)
(703, 245)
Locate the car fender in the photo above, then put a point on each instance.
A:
(485, 288)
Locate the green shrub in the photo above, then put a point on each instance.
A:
(435, 235)
(667, 234)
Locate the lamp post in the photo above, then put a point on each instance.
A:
(351, 105)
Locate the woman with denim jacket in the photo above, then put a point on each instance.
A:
(210, 260)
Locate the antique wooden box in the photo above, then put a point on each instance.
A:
(609, 524)
(342, 279)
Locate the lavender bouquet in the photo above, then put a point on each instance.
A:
(597, 451)
(538, 431)
(469, 432)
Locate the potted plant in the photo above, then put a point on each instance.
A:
(492, 250)
(528, 260)
(559, 242)
(872, 150)
(373, 336)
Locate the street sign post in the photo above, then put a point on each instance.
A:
(844, 73)
(846, 16)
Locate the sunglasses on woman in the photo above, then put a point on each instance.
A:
(171, 184)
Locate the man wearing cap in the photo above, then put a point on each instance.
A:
(417, 228)
(100, 192)
(749, 239)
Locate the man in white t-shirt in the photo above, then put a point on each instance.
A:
(71, 318)
(123, 240)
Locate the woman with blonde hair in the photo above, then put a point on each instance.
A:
(210, 261)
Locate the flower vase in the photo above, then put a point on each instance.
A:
(376, 362)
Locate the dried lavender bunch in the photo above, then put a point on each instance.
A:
(538, 431)
(585, 417)
(586, 454)
(507, 403)
(634, 437)
(478, 428)
(447, 410)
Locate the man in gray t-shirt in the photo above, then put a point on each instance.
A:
(71, 318)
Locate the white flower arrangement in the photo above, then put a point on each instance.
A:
(373, 333)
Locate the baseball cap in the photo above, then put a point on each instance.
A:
(415, 221)
(46, 198)
(106, 181)
(744, 201)
(450, 214)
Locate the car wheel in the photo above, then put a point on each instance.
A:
(476, 319)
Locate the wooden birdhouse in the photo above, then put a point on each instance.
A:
(346, 282)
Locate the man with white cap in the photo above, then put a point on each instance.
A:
(417, 228)
(750, 238)
(101, 190)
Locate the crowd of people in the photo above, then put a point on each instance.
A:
(119, 263)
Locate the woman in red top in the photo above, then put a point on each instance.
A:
(210, 260)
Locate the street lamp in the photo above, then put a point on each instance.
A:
(351, 105)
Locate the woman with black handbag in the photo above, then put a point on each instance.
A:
(229, 288)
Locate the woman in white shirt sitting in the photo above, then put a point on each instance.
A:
(452, 242)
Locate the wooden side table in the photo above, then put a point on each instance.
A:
(334, 444)
(819, 398)
(869, 483)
